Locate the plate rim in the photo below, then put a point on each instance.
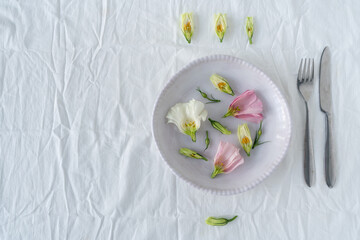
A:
(275, 163)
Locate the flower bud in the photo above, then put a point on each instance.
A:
(221, 84)
(250, 28)
(219, 127)
(220, 25)
(187, 27)
(207, 140)
(190, 153)
(213, 221)
(244, 136)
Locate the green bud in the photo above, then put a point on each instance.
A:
(213, 221)
(257, 137)
(219, 127)
(244, 136)
(204, 95)
(260, 129)
(207, 140)
(250, 28)
(190, 153)
(221, 84)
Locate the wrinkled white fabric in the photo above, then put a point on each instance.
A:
(78, 82)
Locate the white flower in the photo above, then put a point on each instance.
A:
(187, 117)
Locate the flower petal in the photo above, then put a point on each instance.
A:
(246, 106)
(196, 110)
(244, 100)
(229, 151)
(234, 165)
(177, 115)
(228, 157)
(219, 153)
(255, 107)
(256, 118)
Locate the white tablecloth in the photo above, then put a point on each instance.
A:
(78, 82)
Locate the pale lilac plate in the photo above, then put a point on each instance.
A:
(241, 76)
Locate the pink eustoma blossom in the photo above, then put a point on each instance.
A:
(226, 159)
(246, 106)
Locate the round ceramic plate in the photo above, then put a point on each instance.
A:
(241, 76)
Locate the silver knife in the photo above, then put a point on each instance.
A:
(326, 107)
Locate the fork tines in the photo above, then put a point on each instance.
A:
(306, 70)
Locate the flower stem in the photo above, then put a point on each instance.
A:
(193, 136)
(257, 137)
(216, 171)
(229, 113)
(232, 219)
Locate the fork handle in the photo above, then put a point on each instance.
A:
(329, 153)
(307, 149)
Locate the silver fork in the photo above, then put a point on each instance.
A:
(305, 86)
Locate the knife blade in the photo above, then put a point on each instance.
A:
(325, 81)
(326, 107)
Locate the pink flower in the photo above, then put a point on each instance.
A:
(227, 159)
(247, 106)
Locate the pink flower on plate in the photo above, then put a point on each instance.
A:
(246, 106)
(227, 159)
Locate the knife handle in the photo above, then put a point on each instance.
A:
(329, 153)
(307, 149)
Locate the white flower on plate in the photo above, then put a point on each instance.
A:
(187, 117)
